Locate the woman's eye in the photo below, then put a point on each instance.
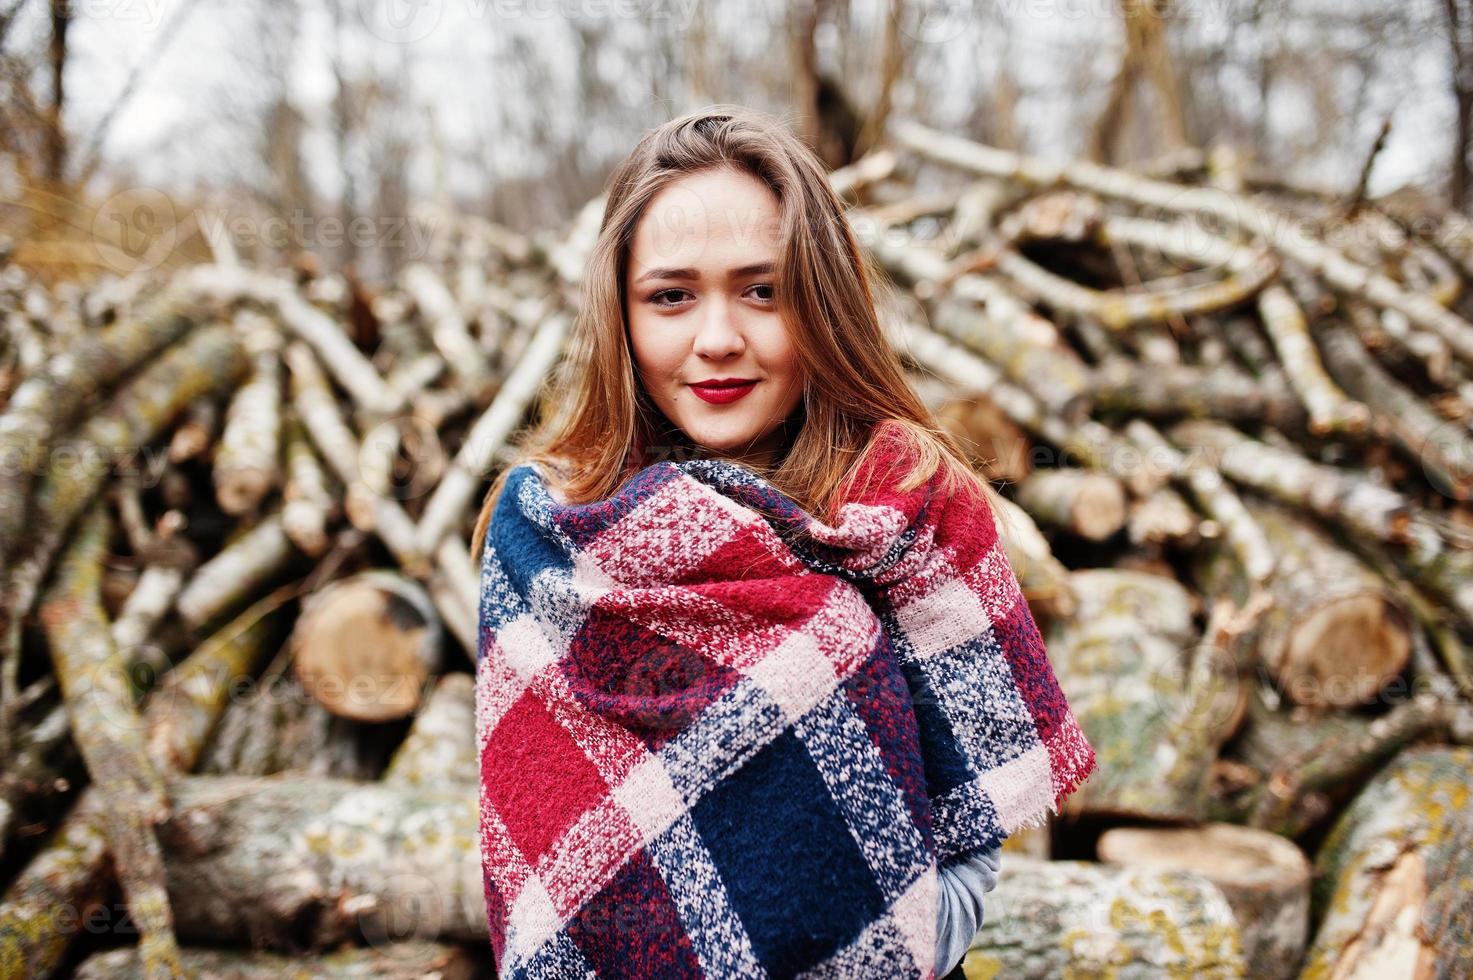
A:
(667, 297)
(767, 286)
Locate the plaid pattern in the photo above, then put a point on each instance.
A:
(721, 738)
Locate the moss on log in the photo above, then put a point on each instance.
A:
(1392, 895)
(1050, 919)
(1122, 660)
(410, 960)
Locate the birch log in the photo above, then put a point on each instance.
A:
(1264, 877)
(1336, 633)
(288, 862)
(38, 915)
(247, 462)
(109, 733)
(440, 749)
(1091, 505)
(1391, 895)
(1048, 919)
(1121, 661)
(407, 960)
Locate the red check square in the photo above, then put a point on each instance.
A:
(537, 777)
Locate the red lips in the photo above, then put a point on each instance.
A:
(719, 391)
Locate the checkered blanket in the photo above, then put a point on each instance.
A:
(721, 738)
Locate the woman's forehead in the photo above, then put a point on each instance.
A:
(704, 220)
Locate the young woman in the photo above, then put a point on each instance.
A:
(729, 344)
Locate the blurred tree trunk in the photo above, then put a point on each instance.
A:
(61, 18)
(892, 67)
(1146, 58)
(803, 24)
(1458, 27)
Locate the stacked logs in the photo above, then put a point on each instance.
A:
(1230, 418)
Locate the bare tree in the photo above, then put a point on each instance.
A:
(1459, 15)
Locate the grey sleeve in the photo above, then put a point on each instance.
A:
(963, 883)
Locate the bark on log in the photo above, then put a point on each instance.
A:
(1122, 662)
(1235, 210)
(110, 736)
(1331, 492)
(348, 365)
(407, 960)
(1048, 919)
(250, 559)
(440, 749)
(455, 585)
(1309, 760)
(50, 400)
(1247, 271)
(291, 861)
(247, 462)
(1050, 371)
(210, 361)
(1085, 443)
(447, 506)
(38, 913)
(1443, 449)
(1335, 634)
(309, 507)
(279, 728)
(1163, 518)
(1365, 509)
(1264, 877)
(1330, 409)
(1091, 505)
(1391, 895)
(1132, 387)
(1240, 529)
(447, 327)
(318, 409)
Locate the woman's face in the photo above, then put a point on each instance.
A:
(701, 311)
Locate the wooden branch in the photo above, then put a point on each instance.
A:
(247, 462)
(440, 749)
(110, 736)
(69, 873)
(1234, 210)
(447, 506)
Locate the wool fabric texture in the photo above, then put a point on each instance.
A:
(720, 737)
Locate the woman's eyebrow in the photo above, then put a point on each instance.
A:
(755, 269)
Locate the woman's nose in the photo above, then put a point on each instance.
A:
(720, 334)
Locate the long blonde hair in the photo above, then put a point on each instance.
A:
(596, 426)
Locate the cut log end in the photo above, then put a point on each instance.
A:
(241, 490)
(1099, 509)
(1343, 652)
(365, 651)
